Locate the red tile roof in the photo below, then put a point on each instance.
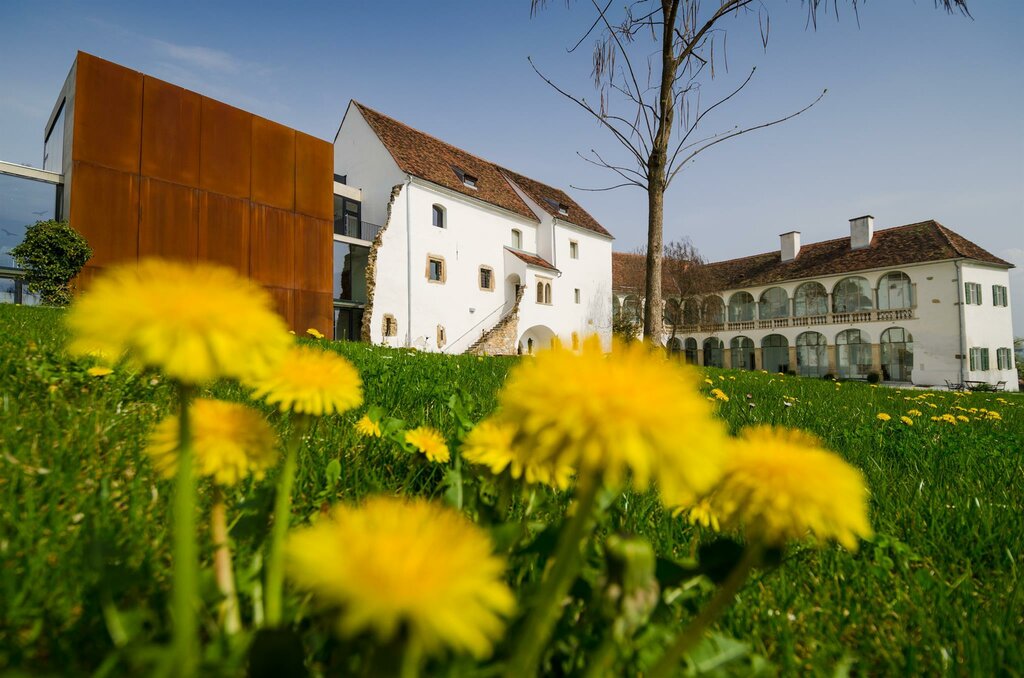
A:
(892, 247)
(427, 157)
(533, 259)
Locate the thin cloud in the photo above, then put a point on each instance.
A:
(204, 58)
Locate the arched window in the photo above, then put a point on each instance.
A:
(741, 353)
(713, 352)
(517, 239)
(438, 214)
(895, 291)
(673, 312)
(851, 295)
(713, 310)
(691, 351)
(811, 354)
(741, 307)
(540, 293)
(547, 293)
(897, 354)
(691, 311)
(616, 308)
(810, 299)
(853, 354)
(631, 308)
(674, 347)
(775, 353)
(774, 304)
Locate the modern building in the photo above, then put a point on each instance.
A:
(918, 304)
(430, 246)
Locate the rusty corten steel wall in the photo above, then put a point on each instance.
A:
(158, 170)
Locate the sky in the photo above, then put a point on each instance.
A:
(923, 119)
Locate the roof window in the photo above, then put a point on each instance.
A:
(562, 208)
(467, 179)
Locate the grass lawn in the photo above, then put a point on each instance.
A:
(84, 537)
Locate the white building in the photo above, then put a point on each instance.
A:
(459, 254)
(917, 304)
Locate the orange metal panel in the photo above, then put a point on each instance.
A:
(85, 278)
(170, 132)
(168, 221)
(314, 176)
(313, 254)
(224, 231)
(313, 309)
(273, 164)
(105, 210)
(108, 114)
(272, 246)
(226, 155)
(284, 304)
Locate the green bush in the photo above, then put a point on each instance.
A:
(52, 254)
(874, 377)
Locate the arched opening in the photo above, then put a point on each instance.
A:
(673, 312)
(690, 351)
(895, 291)
(897, 354)
(713, 310)
(540, 293)
(674, 347)
(853, 354)
(616, 308)
(810, 299)
(811, 354)
(775, 353)
(437, 215)
(714, 352)
(741, 353)
(547, 293)
(537, 337)
(691, 312)
(774, 303)
(631, 308)
(851, 295)
(741, 307)
(517, 239)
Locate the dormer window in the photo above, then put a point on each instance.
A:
(467, 179)
(562, 208)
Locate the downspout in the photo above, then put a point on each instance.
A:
(960, 307)
(408, 257)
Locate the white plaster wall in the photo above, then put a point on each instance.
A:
(591, 274)
(988, 326)
(361, 156)
(392, 277)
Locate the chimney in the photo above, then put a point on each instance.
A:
(862, 229)
(790, 245)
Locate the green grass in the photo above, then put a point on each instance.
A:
(84, 521)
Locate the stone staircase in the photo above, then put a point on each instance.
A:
(501, 338)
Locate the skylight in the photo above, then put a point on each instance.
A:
(467, 179)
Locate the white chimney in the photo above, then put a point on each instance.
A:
(862, 229)
(790, 245)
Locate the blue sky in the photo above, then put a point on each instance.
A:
(924, 117)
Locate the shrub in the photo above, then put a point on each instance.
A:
(874, 377)
(52, 254)
(790, 373)
(829, 377)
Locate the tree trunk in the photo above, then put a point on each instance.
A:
(653, 329)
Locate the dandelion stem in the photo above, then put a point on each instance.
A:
(691, 635)
(222, 566)
(412, 659)
(525, 657)
(185, 591)
(282, 515)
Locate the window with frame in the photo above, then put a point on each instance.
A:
(442, 336)
(486, 278)
(574, 249)
(436, 269)
(979, 359)
(389, 326)
(1004, 358)
(517, 239)
(437, 216)
(972, 293)
(576, 294)
(999, 296)
(547, 293)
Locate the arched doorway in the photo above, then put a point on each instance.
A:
(536, 338)
(853, 354)
(897, 354)
(741, 353)
(775, 353)
(713, 352)
(811, 354)
(674, 347)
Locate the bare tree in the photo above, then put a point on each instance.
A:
(686, 277)
(654, 86)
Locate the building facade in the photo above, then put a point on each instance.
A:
(917, 304)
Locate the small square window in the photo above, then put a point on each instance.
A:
(517, 239)
(435, 269)
(486, 278)
(574, 249)
(576, 294)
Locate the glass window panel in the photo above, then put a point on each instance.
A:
(23, 202)
(350, 272)
(53, 147)
(851, 295)
(810, 299)
(774, 303)
(8, 287)
(895, 291)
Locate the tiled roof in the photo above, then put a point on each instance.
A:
(911, 244)
(533, 259)
(549, 199)
(427, 157)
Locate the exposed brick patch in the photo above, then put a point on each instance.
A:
(500, 339)
(371, 267)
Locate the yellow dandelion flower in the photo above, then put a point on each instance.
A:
(490, 444)
(907, 420)
(393, 565)
(709, 382)
(994, 415)
(229, 440)
(932, 405)
(315, 333)
(311, 381)
(961, 417)
(702, 514)
(882, 416)
(367, 427)
(430, 442)
(948, 418)
(914, 413)
(632, 412)
(781, 484)
(720, 395)
(194, 322)
(936, 418)
(99, 371)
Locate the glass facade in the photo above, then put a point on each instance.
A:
(350, 272)
(53, 147)
(23, 202)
